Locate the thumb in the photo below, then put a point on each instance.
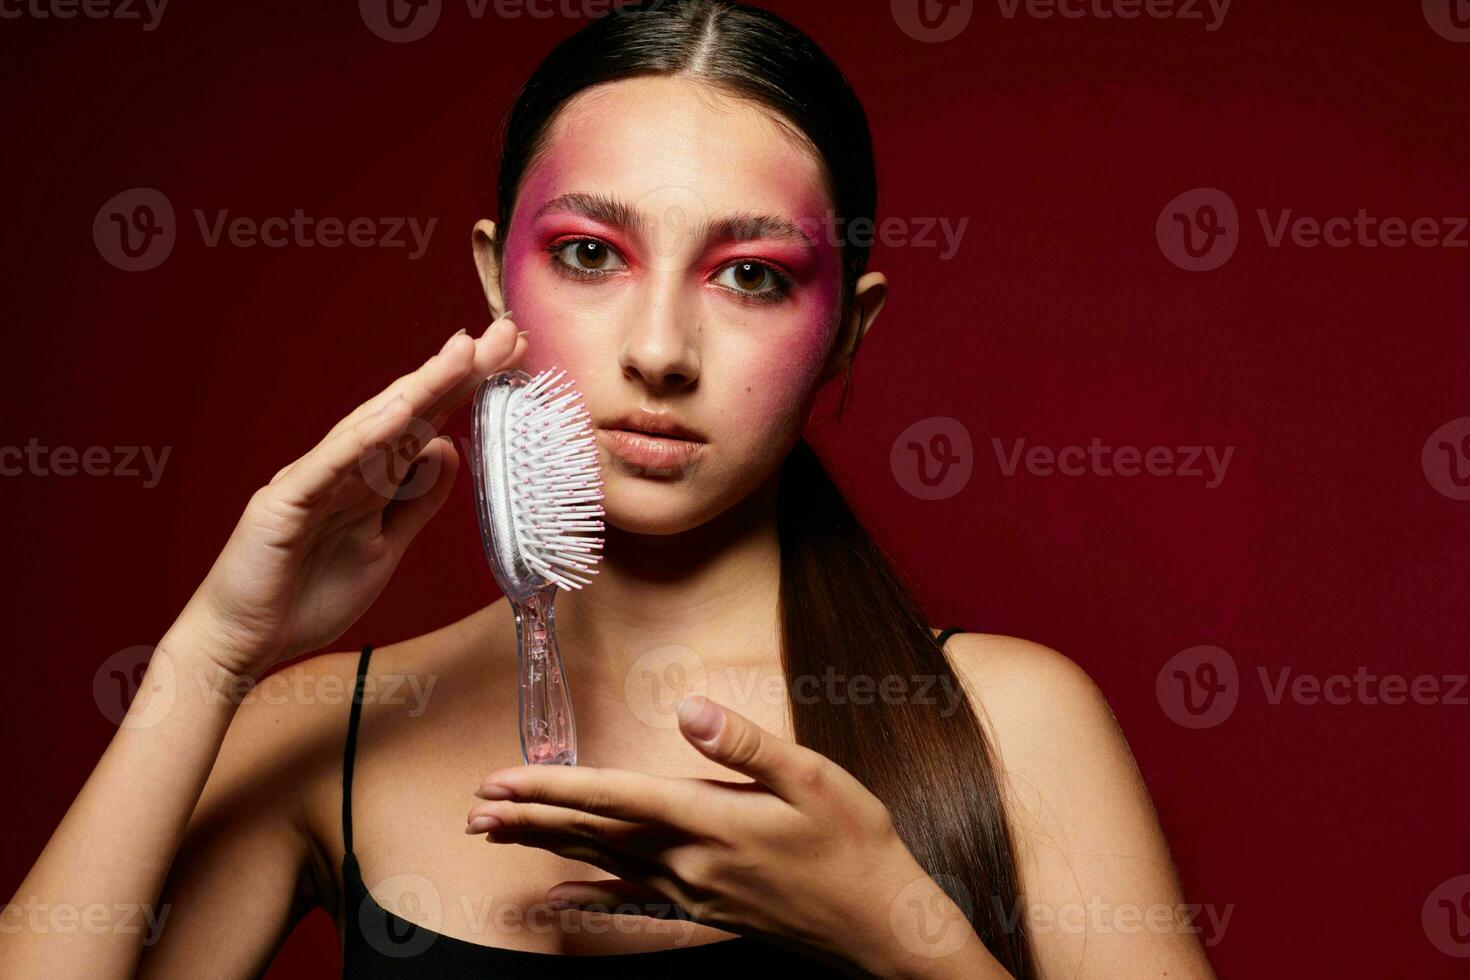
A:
(733, 740)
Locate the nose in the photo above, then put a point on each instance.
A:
(661, 344)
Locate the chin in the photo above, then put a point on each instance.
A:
(651, 505)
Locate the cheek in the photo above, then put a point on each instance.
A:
(537, 303)
(775, 375)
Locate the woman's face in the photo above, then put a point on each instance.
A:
(670, 252)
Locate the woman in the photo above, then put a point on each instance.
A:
(669, 179)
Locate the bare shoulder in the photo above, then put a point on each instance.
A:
(311, 698)
(1084, 828)
(1026, 691)
(1049, 725)
(290, 729)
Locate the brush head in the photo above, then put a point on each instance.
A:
(538, 489)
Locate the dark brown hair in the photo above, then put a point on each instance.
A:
(844, 608)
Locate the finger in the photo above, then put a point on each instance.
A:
(541, 818)
(445, 383)
(321, 475)
(493, 351)
(615, 896)
(620, 863)
(617, 794)
(466, 362)
(793, 772)
(438, 465)
(376, 451)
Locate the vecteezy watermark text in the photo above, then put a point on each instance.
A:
(34, 459)
(97, 918)
(404, 21)
(295, 686)
(1200, 687)
(1097, 459)
(136, 230)
(1211, 12)
(891, 232)
(1200, 230)
(149, 12)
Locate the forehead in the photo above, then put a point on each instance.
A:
(653, 141)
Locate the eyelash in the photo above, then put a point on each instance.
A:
(775, 294)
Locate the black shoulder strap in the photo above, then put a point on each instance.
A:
(946, 634)
(351, 748)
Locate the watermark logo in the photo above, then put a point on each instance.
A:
(933, 458)
(393, 469)
(1446, 917)
(932, 922)
(404, 919)
(135, 230)
(1199, 687)
(673, 215)
(1450, 19)
(400, 21)
(659, 679)
(1446, 459)
(120, 693)
(1199, 230)
(932, 21)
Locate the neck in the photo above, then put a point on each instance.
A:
(713, 589)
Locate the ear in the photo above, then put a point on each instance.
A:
(869, 295)
(482, 238)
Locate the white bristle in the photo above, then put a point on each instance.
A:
(556, 487)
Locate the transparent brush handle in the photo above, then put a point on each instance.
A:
(548, 730)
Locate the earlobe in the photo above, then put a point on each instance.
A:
(482, 238)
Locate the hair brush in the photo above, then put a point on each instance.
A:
(538, 496)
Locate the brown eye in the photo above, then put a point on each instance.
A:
(754, 280)
(750, 276)
(588, 255)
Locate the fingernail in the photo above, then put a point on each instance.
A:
(558, 904)
(451, 339)
(483, 824)
(700, 718)
(524, 333)
(497, 321)
(495, 791)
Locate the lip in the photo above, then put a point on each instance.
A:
(650, 454)
(655, 423)
(651, 442)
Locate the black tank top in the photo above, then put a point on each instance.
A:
(381, 944)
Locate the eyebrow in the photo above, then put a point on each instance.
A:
(738, 227)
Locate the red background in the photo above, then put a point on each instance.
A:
(1323, 828)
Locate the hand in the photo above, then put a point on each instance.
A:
(317, 544)
(805, 857)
